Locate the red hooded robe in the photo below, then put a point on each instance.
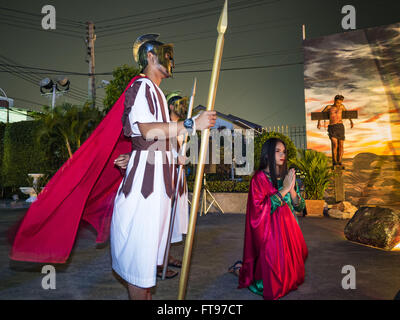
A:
(274, 247)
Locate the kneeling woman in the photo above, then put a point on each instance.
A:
(274, 247)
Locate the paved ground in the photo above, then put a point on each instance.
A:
(218, 243)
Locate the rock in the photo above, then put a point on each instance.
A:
(345, 206)
(335, 213)
(375, 226)
(347, 209)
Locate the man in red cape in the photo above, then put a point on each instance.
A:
(83, 188)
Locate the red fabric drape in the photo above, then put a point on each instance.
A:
(274, 247)
(83, 188)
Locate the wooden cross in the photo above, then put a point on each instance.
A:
(338, 172)
(350, 114)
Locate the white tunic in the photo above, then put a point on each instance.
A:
(139, 226)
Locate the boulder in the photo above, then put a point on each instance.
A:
(375, 226)
(342, 210)
(337, 214)
(347, 208)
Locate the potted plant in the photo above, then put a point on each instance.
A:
(315, 173)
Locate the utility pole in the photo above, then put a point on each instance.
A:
(90, 39)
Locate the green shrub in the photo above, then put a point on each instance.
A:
(315, 172)
(21, 154)
(224, 186)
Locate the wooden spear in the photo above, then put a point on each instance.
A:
(222, 25)
(180, 175)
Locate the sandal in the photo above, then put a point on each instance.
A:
(234, 268)
(172, 273)
(172, 262)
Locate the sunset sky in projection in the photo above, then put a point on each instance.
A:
(347, 64)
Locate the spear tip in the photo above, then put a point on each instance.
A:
(223, 19)
(194, 87)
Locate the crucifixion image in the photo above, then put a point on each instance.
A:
(335, 113)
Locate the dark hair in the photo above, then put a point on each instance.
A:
(268, 160)
(339, 97)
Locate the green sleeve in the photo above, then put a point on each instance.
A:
(276, 202)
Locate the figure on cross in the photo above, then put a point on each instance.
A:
(336, 130)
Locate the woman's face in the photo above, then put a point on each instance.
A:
(280, 154)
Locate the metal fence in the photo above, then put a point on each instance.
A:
(296, 133)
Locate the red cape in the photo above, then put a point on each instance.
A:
(83, 188)
(274, 247)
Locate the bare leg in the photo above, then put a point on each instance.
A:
(174, 262)
(169, 273)
(148, 297)
(341, 150)
(334, 144)
(136, 293)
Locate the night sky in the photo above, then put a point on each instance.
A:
(263, 46)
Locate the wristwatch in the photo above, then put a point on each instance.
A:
(189, 124)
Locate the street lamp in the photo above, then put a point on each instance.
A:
(52, 86)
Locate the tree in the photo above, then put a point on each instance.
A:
(68, 123)
(122, 75)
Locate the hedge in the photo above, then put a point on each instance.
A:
(21, 154)
(224, 186)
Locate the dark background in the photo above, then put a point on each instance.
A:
(263, 46)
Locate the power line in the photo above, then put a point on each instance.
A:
(187, 16)
(166, 17)
(40, 30)
(196, 62)
(33, 23)
(32, 79)
(14, 70)
(234, 33)
(22, 21)
(243, 68)
(243, 57)
(178, 37)
(154, 11)
(198, 70)
(72, 22)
